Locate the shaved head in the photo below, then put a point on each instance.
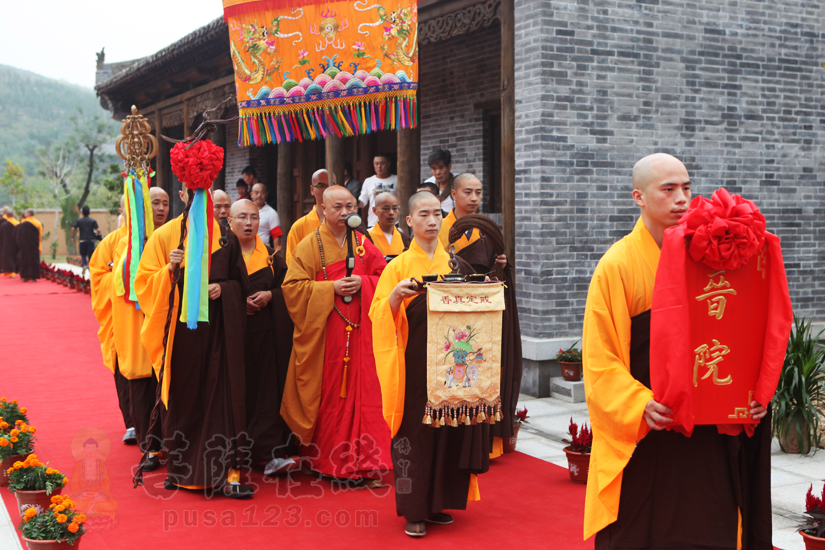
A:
(245, 221)
(243, 205)
(320, 176)
(160, 205)
(462, 179)
(421, 198)
(336, 193)
(649, 168)
(29, 213)
(220, 205)
(385, 198)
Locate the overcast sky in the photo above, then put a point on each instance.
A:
(59, 38)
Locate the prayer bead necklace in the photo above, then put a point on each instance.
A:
(350, 324)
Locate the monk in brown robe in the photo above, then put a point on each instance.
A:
(27, 238)
(435, 468)
(268, 342)
(202, 384)
(481, 244)
(8, 260)
(332, 399)
(100, 277)
(651, 488)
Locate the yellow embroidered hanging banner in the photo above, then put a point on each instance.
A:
(306, 69)
(464, 353)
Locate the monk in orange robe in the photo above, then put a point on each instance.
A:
(435, 468)
(389, 240)
(8, 260)
(308, 224)
(268, 342)
(202, 387)
(134, 362)
(100, 277)
(27, 236)
(332, 399)
(649, 488)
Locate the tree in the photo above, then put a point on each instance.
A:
(12, 183)
(56, 165)
(90, 133)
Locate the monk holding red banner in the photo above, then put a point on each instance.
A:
(649, 487)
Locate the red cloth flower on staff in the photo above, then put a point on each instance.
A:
(724, 232)
(197, 166)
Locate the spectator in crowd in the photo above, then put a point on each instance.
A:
(87, 232)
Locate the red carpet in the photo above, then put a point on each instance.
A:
(51, 363)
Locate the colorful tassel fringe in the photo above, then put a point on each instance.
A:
(260, 125)
(140, 226)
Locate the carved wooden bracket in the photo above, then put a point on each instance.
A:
(459, 22)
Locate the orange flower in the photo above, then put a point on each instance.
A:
(24, 428)
(30, 513)
(32, 429)
(73, 527)
(23, 410)
(17, 465)
(61, 518)
(2, 399)
(4, 442)
(14, 440)
(66, 482)
(56, 499)
(49, 471)
(15, 433)
(4, 425)
(14, 401)
(59, 508)
(32, 456)
(80, 518)
(36, 462)
(18, 422)
(10, 470)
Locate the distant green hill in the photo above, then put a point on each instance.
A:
(35, 110)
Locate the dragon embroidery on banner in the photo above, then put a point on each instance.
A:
(404, 28)
(257, 42)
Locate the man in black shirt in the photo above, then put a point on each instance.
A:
(87, 230)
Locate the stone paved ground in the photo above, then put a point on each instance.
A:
(791, 475)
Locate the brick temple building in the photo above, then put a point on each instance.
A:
(550, 103)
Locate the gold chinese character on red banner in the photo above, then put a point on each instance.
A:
(710, 357)
(714, 292)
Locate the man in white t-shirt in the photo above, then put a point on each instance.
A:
(270, 224)
(440, 162)
(382, 182)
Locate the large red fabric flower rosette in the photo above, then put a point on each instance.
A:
(197, 166)
(725, 231)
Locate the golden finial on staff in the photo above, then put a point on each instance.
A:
(136, 145)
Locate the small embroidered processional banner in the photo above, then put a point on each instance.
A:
(464, 353)
(306, 69)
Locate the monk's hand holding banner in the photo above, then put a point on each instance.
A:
(721, 315)
(306, 69)
(463, 353)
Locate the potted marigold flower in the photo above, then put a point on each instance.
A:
(11, 412)
(578, 452)
(812, 527)
(570, 360)
(520, 418)
(33, 483)
(15, 445)
(59, 527)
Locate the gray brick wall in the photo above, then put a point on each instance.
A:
(238, 158)
(456, 75)
(734, 88)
